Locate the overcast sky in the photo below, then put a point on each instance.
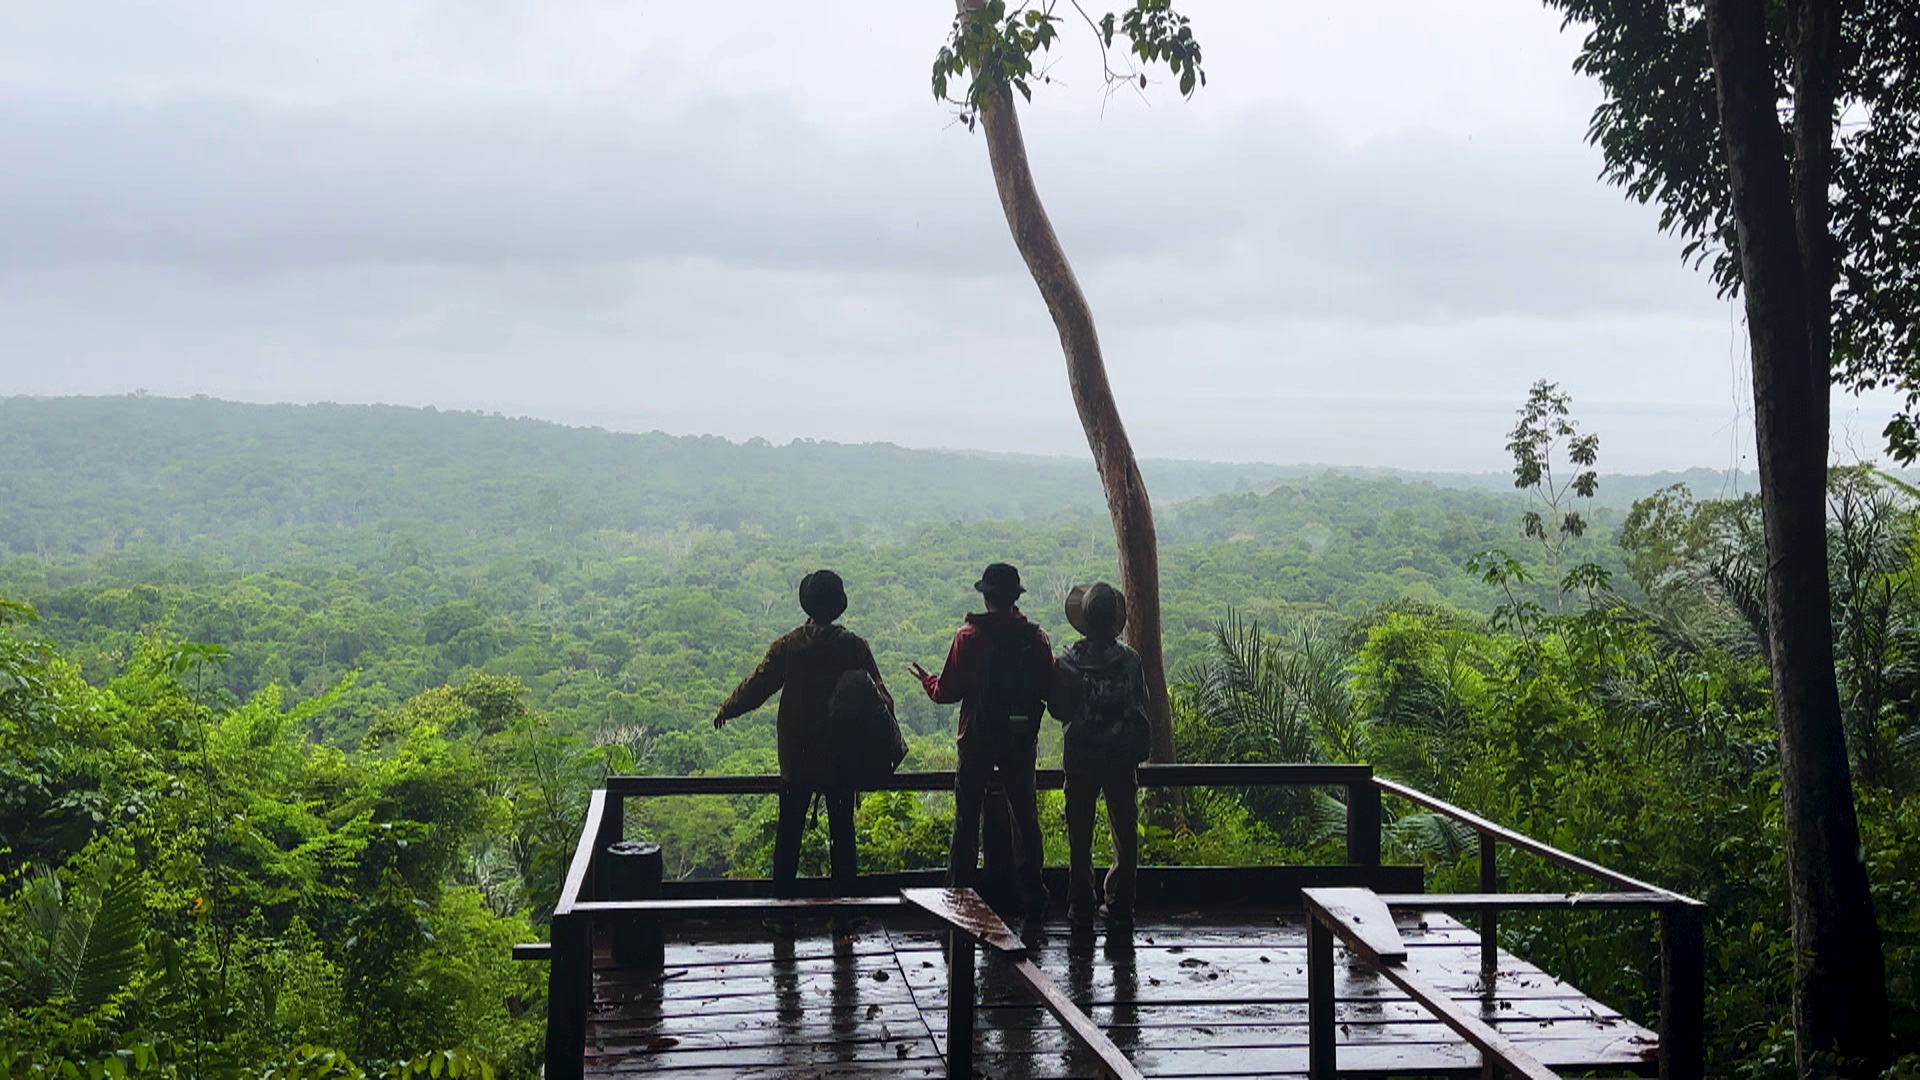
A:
(1359, 244)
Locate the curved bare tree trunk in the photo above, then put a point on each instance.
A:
(1127, 502)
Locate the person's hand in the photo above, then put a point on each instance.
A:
(719, 721)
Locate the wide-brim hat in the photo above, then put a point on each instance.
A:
(1091, 608)
(1000, 579)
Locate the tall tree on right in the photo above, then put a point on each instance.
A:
(1727, 112)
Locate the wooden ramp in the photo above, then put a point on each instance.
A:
(1218, 995)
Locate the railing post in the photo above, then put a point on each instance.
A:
(569, 992)
(960, 956)
(1683, 992)
(1322, 1063)
(1363, 823)
(1490, 918)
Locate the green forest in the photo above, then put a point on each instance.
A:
(300, 706)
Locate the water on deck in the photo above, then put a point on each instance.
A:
(1216, 994)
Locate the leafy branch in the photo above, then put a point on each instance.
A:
(993, 47)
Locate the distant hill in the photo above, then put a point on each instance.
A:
(84, 475)
(81, 475)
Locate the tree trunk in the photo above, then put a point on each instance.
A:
(1814, 28)
(1839, 993)
(1126, 492)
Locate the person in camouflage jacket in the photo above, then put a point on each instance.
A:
(1100, 693)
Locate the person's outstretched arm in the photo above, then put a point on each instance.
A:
(756, 688)
(961, 673)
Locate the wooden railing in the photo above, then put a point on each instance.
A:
(586, 897)
(1364, 923)
(1362, 790)
(570, 952)
(1683, 957)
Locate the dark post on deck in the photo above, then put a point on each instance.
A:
(1363, 823)
(1683, 992)
(1321, 1060)
(569, 996)
(570, 955)
(1490, 918)
(960, 961)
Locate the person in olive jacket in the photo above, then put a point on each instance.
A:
(802, 666)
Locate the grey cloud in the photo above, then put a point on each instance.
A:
(674, 216)
(1268, 211)
(244, 183)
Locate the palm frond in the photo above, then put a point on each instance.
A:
(102, 949)
(1434, 836)
(79, 945)
(1329, 817)
(1741, 581)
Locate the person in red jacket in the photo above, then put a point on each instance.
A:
(998, 670)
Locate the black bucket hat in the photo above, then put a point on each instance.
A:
(823, 596)
(1001, 582)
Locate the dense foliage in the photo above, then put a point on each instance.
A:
(326, 827)
(1658, 130)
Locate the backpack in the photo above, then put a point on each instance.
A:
(1109, 729)
(863, 732)
(1018, 667)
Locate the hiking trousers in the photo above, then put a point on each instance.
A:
(1012, 757)
(1122, 793)
(792, 827)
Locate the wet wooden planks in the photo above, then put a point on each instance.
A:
(1194, 997)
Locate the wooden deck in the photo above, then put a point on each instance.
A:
(1216, 995)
